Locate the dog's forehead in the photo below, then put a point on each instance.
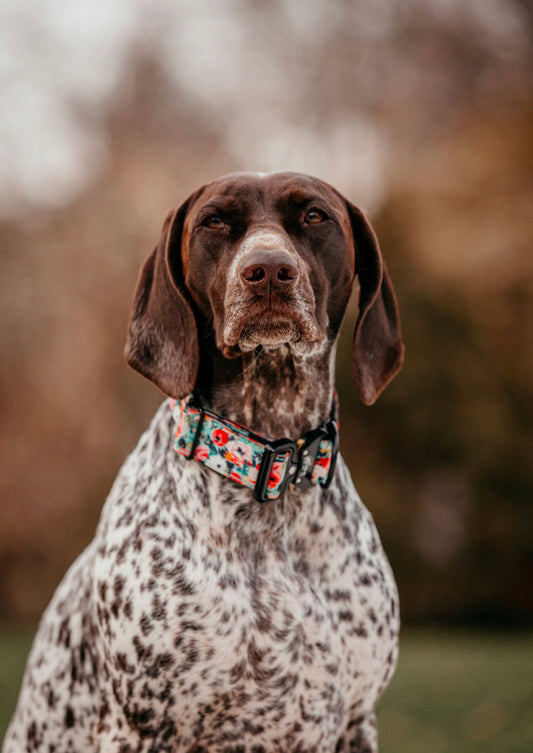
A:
(257, 189)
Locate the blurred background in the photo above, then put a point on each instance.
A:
(420, 111)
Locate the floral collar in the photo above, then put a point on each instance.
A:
(267, 467)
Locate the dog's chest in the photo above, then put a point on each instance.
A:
(210, 631)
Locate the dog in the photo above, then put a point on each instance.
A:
(235, 598)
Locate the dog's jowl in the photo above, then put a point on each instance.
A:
(235, 598)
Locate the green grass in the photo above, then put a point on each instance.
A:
(459, 692)
(14, 648)
(453, 692)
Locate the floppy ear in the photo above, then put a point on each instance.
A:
(378, 349)
(162, 342)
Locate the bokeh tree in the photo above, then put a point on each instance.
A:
(419, 111)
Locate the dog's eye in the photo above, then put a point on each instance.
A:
(314, 216)
(214, 222)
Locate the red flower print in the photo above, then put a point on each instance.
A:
(202, 453)
(324, 462)
(275, 476)
(234, 476)
(220, 437)
(238, 452)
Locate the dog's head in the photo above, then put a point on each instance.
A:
(265, 260)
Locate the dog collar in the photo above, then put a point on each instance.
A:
(267, 467)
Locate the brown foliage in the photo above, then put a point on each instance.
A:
(442, 458)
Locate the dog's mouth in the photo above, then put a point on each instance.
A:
(272, 328)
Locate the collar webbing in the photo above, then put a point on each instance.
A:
(267, 467)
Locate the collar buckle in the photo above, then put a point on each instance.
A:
(301, 461)
(271, 451)
(307, 457)
(332, 428)
(308, 450)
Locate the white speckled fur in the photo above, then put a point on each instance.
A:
(308, 576)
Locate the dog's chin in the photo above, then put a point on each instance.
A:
(272, 334)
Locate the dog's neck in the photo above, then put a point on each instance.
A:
(272, 392)
(277, 394)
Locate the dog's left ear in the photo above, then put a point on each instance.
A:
(378, 349)
(162, 341)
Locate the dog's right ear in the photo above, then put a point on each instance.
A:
(162, 341)
(378, 349)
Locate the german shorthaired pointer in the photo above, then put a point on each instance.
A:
(238, 601)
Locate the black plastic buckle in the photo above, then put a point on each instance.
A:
(271, 451)
(307, 457)
(333, 436)
(195, 403)
(309, 451)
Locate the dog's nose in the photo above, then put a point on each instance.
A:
(266, 270)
